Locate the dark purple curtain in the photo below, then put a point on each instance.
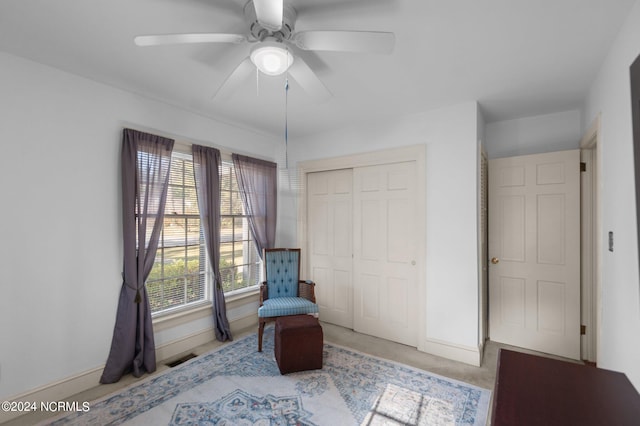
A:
(206, 166)
(146, 160)
(257, 180)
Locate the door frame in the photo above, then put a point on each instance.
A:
(374, 158)
(591, 236)
(483, 246)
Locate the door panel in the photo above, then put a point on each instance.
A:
(330, 237)
(551, 235)
(534, 234)
(385, 275)
(512, 297)
(512, 228)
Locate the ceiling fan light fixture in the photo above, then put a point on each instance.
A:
(271, 58)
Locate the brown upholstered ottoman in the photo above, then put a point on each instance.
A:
(298, 343)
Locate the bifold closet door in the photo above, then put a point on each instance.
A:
(385, 246)
(330, 237)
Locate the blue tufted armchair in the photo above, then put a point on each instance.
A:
(283, 293)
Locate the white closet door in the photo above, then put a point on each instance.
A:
(385, 250)
(330, 236)
(534, 242)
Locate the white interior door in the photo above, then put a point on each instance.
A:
(385, 247)
(534, 243)
(330, 236)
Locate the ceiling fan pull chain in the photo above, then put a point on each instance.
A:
(286, 112)
(257, 82)
(286, 122)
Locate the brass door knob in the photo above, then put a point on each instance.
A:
(495, 260)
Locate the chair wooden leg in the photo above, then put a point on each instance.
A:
(260, 331)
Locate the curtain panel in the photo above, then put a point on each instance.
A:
(257, 180)
(206, 169)
(146, 162)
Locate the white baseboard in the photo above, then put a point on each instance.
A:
(56, 391)
(81, 382)
(461, 353)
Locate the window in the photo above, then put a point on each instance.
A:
(239, 259)
(180, 275)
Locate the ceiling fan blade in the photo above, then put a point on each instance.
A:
(344, 7)
(308, 80)
(346, 41)
(269, 13)
(167, 39)
(235, 79)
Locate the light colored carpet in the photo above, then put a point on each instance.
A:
(236, 385)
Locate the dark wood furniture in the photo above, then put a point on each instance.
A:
(533, 390)
(298, 343)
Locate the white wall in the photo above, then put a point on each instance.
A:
(620, 313)
(450, 136)
(60, 229)
(534, 135)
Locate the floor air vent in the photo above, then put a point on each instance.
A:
(180, 360)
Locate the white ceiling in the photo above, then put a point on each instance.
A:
(516, 57)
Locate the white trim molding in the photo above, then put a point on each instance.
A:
(591, 236)
(461, 353)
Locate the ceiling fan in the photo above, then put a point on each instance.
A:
(271, 31)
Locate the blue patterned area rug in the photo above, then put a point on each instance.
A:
(236, 385)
